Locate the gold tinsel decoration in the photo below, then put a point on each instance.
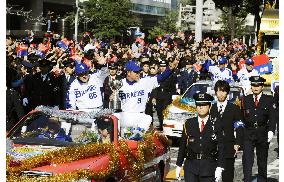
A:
(259, 43)
(238, 102)
(65, 155)
(146, 151)
(176, 102)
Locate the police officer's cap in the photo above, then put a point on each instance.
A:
(163, 63)
(249, 61)
(27, 64)
(257, 80)
(202, 99)
(112, 66)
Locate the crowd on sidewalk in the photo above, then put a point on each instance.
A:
(59, 72)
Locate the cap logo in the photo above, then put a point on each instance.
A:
(81, 66)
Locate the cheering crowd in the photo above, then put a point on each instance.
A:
(61, 73)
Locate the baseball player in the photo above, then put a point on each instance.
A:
(85, 91)
(245, 73)
(220, 72)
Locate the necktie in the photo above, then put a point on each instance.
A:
(221, 109)
(255, 101)
(67, 78)
(202, 126)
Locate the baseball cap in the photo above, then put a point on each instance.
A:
(249, 61)
(81, 68)
(222, 60)
(132, 66)
(202, 99)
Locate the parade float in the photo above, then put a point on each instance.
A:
(268, 44)
(54, 145)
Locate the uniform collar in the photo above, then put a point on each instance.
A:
(224, 104)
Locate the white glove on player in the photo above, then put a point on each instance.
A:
(178, 169)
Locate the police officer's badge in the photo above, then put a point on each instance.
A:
(201, 96)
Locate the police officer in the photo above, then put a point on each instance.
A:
(229, 119)
(66, 79)
(164, 92)
(188, 76)
(258, 132)
(43, 88)
(201, 145)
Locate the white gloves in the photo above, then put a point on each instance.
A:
(218, 174)
(269, 136)
(178, 169)
(25, 101)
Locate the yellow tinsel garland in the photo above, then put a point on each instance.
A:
(146, 151)
(65, 155)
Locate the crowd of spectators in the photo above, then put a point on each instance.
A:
(41, 72)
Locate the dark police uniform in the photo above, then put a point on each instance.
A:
(258, 121)
(42, 91)
(65, 82)
(164, 94)
(202, 150)
(14, 108)
(226, 121)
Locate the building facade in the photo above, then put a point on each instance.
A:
(24, 15)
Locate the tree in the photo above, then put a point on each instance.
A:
(238, 21)
(165, 25)
(234, 9)
(108, 18)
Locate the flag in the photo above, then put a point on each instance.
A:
(22, 50)
(41, 50)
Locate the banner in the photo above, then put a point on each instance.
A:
(264, 68)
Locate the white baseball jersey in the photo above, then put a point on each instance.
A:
(134, 97)
(217, 74)
(87, 95)
(244, 75)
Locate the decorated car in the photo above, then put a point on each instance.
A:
(55, 145)
(183, 106)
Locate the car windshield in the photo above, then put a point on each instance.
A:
(236, 93)
(42, 129)
(195, 88)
